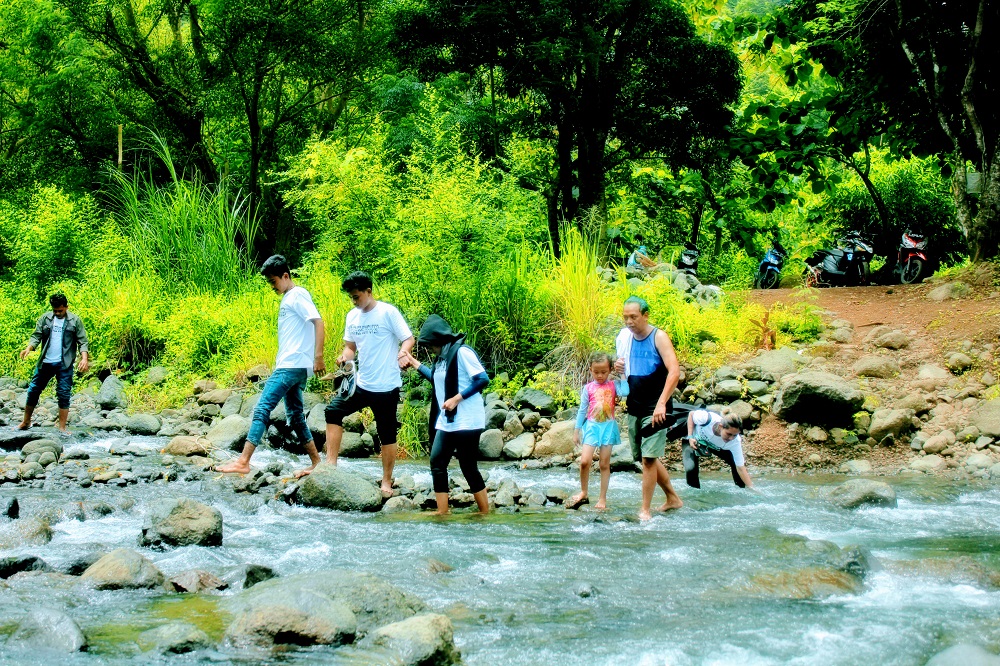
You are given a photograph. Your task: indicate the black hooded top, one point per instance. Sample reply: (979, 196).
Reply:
(437, 333)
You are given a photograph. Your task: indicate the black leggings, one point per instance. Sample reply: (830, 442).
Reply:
(464, 444)
(691, 464)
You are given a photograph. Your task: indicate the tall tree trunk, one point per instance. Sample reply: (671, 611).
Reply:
(697, 212)
(983, 234)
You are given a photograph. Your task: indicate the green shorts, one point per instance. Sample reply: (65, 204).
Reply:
(653, 446)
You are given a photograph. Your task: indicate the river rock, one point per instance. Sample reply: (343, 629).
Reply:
(979, 461)
(418, 641)
(512, 427)
(887, 422)
(538, 401)
(776, 363)
(40, 446)
(229, 433)
(986, 417)
(949, 290)
(807, 583)
(964, 655)
(892, 340)
(174, 638)
(876, 366)
(182, 522)
(558, 440)
(842, 335)
(496, 418)
(143, 424)
(931, 371)
(204, 385)
(155, 376)
(530, 419)
(817, 397)
(10, 507)
(862, 492)
(491, 444)
(856, 467)
(246, 576)
(112, 394)
(195, 580)
(123, 569)
(938, 443)
(316, 420)
(930, 463)
(742, 409)
(728, 389)
(398, 504)
(520, 447)
(958, 362)
(17, 563)
(215, 397)
(48, 629)
(304, 600)
(334, 488)
(353, 445)
(185, 445)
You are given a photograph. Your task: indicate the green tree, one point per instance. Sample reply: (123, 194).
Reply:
(609, 81)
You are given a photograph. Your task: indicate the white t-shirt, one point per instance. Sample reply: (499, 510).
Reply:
(471, 412)
(377, 334)
(54, 352)
(704, 431)
(296, 333)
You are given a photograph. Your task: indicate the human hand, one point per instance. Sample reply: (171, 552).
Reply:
(576, 437)
(451, 404)
(403, 359)
(83, 365)
(319, 365)
(660, 413)
(620, 365)
(693, 442)
(24, 353)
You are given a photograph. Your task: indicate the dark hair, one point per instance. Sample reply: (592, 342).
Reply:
(602, 357)
(641, 302)
(275, 266)
(58, 300)
(731, 419)
(357, 281)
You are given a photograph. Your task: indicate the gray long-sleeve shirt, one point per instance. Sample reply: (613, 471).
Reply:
(74, 334)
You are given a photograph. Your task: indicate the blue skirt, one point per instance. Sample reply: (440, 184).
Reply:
(603, 433)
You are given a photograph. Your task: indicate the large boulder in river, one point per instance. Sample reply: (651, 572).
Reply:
(48, 629)
(862, 492)
(964, 655)
(421, 640)
(301, 603)
(143, 424)
(491, 444)
(182, 522)
(887, 422)
(112, 394)
(534, 399)
(123, 569)
(332, 487)
(819, 398)
(187, 445)
(229, 433)
(41, 446)
(986, 417)
(521, 446)
(557, 441)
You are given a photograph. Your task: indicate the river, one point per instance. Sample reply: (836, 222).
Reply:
(556, 587)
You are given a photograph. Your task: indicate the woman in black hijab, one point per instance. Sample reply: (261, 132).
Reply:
(458, 413)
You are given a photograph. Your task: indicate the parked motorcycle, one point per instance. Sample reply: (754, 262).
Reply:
(912, 262)
(688, 261)
(769, 271)
(843, 266)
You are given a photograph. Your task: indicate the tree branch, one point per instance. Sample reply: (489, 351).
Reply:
(967, 86)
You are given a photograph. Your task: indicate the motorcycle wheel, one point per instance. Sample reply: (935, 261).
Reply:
(912, 271)
(769, 280)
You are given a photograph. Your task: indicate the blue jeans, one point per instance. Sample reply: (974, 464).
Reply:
(43, 375)
(286, 383)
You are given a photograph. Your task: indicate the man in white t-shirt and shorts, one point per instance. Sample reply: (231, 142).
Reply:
(300, 353)
(377, 334)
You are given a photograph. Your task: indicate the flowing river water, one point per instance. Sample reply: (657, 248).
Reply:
(556, 587)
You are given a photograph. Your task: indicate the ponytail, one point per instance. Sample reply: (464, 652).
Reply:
(731, 419)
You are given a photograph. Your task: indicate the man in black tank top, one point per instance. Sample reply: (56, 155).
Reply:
(647, 358)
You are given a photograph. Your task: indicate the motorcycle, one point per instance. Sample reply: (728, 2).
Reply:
(912, 259)
(688, 261)
(769, 271)
(844, 266)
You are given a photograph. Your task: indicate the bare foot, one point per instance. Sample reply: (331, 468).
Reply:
(644, 515)
(234, 467)
(670, 505)
(601, 505)
(576, 501)
(23, 426)
(386, 489)
(303, 472)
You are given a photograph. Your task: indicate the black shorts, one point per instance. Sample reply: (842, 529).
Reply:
(383, 405)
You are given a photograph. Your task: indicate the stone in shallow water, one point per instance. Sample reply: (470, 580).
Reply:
(174, 638)
(807, 583)
(419, 640)
(862, 492)
(335, 488)
(123, 569)
(182, 522)
(964, 655)
(48, 629)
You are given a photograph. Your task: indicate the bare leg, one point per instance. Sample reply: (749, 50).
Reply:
(586, 462)
(482, 501)
(334, 435)
(388, 462)
(63, 418)
(602, 501)
(442, 502)
(26, 421)
(663, 479)
(648, 486)
(241, 465)
(314, 459)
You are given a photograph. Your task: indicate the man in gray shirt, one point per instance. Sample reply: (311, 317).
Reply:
(59, 333)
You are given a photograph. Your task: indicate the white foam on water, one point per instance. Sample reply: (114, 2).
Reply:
(299, 553)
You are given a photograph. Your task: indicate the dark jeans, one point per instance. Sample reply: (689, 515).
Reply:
(43, 374)
(691, 463)
(463, 444)
(287, 383)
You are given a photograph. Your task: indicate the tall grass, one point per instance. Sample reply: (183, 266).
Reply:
(191, 234)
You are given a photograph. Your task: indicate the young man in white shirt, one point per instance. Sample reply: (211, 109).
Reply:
(375, 333)
(300, 353)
